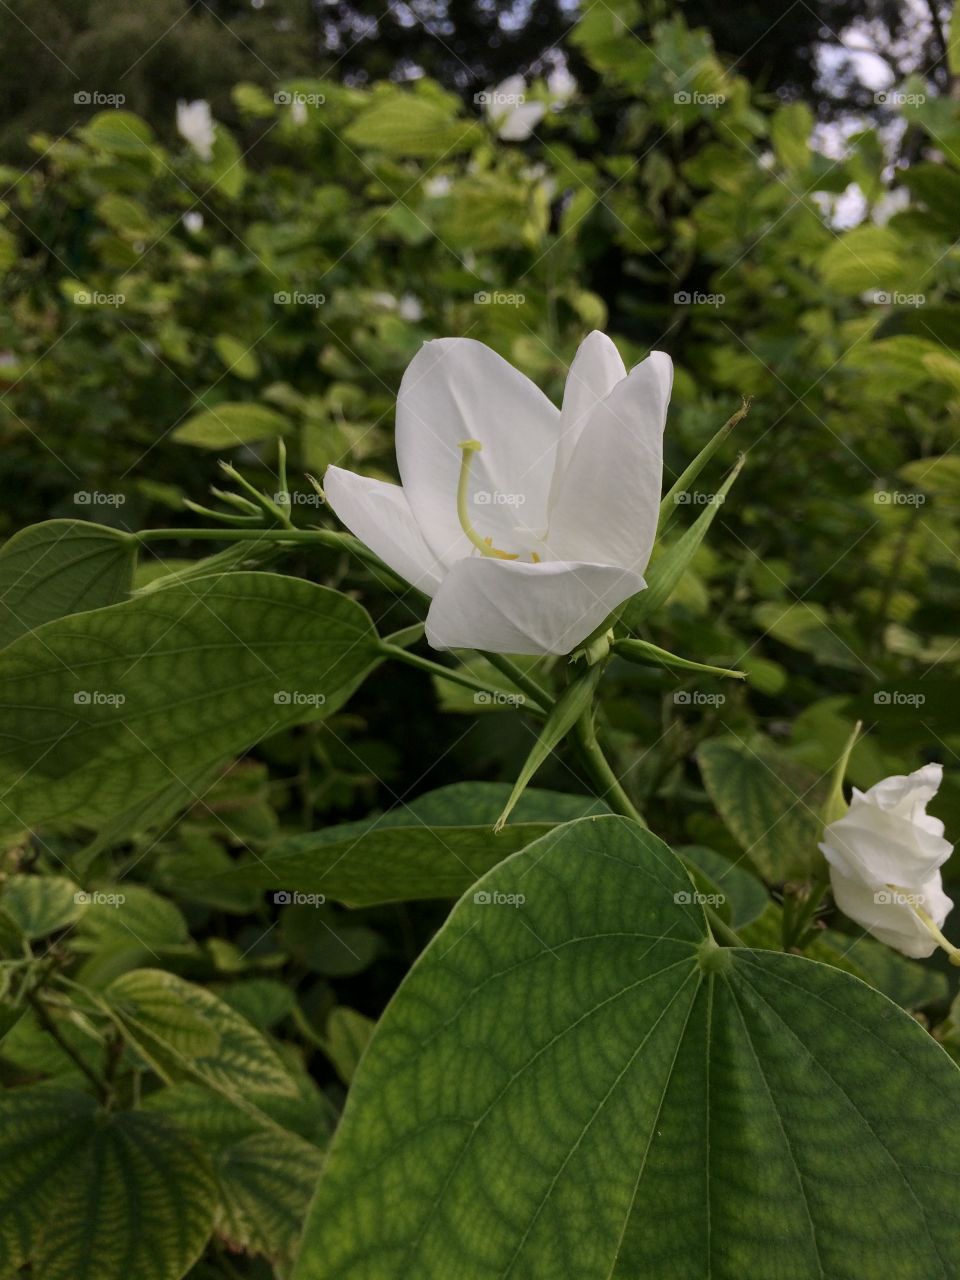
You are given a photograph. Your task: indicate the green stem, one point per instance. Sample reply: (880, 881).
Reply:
(720, 929)
(526, 684)
(798, 933)
(316, 537)
(445, 673)
(602, 775)
(49, 1025)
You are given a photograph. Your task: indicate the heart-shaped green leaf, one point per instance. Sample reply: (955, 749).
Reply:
(575, 1081)
(87, 1194)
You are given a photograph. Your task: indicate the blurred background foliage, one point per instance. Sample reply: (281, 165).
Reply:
(725, 185)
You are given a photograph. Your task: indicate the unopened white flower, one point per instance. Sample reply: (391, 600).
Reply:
(196, 125)
(509, 112)
(193, 221)
(885, 856)
(526, 524)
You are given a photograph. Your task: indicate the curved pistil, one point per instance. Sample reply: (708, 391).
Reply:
(484, 545)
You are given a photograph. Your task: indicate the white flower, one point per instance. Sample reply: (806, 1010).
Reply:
(410, 308)
(298, 112)
(195, 124)
(509, 112)
(527, 524)
(193, 221)
(562, 85)
(885, 856)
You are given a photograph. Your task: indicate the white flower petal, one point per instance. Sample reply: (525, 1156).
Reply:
(908, 795)
(885, 837)
(888, 915)
(507, 606)
(596, 370)
(457, 389)
(517, 123)
(380, 516)
(608, 498)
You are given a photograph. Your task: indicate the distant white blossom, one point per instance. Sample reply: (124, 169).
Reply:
(196, 125)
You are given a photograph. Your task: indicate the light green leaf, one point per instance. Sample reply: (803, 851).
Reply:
(579, 1084)
(92, 1195)
(408, 124)
(771, 804)
(188, 1032)
(873, 258)
(120, 132)
(125, 215)
(39, 905)
(807, 627)
(239, 358)
(232, 423)
(266, 1181)
(790, 132)
(347, 1035)
(61, 567)
(203, 670)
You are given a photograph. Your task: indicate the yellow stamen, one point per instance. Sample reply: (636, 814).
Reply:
(534, 557)
(484, 545)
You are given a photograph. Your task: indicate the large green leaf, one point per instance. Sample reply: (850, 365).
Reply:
(103, 709)
(435, 847)
(61, 567)
(87, 1194)
(583, 1085)
(770, 803)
